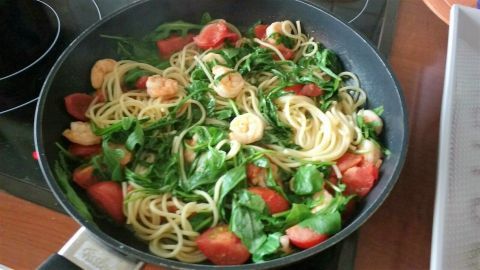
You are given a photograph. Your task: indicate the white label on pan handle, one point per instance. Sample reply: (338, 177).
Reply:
(90, 254)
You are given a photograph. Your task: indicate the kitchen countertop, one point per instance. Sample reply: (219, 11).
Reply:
(396, 237)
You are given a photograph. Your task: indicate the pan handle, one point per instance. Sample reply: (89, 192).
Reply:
(83, 252)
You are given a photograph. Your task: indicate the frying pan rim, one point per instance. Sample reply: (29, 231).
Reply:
(148, 257)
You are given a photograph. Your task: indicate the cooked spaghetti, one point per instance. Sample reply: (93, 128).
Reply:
(263, 133)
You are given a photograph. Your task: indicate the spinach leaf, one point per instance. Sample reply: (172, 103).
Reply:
(296, 214)
(307, 180)
(269, 247)
(201, 221)
(328, 224)
(208, 168)
(245, 222)
(230, 180)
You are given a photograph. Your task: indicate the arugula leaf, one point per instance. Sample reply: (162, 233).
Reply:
(62, 179)
(307, 180)
(163, 31)
(269, 247)
(135, 138)
(329, 224)
(206, 136)
(206, 18)
(124, 124)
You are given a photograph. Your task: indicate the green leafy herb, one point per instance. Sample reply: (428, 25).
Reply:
(245, 220)
(201, 221)
(328, 224)
(230, 180)
(62, 179)
(307, 180)
(269, 247)
(135, 138)
(208, 168)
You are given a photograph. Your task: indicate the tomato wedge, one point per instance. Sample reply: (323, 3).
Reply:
(276, 203)
(286, 52)
(213, 35)
(309, 90)
(294, 88)
(108, 197)
(348, 160)
(360, 179)
(83, 176)
(260, 31)
(77, 105)
(141, 82)
(167, 47)
(84, 151)
(302, 237)
(222, 247)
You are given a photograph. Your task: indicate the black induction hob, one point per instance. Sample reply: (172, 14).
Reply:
(35, 32)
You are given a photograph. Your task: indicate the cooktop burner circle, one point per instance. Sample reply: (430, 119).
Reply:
(34, 33)
(31, 31)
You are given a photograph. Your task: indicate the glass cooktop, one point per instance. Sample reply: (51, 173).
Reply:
(35, 32)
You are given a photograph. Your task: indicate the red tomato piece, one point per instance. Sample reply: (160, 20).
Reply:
(141, 82)
(260, 31)
(286, 52)
(84, 177)
(77, 105)
(294, 88)
(276, 203)
(311, 90)
(222, 247)
(360, 179)
(304, 237)
(108, 197)
(213, 35)
(348, 160)
(256, 175)
(99, 95)
(167, 47)
(84, 151)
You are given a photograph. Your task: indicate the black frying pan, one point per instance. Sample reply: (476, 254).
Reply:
(71, 74)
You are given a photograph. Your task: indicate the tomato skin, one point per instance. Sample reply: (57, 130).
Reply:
(84, 151)
(84, 177)
(77, 105)
(311, 90)
(348, 160)
(286, 52)
(167, 47)
(99, 95)
(360, 179)
(213, 35)
(304, 237)
(222, 247)
(260, 31)
(276, 203)
(108, 197)
(256, 175)
(141, 82)
(294, 88)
